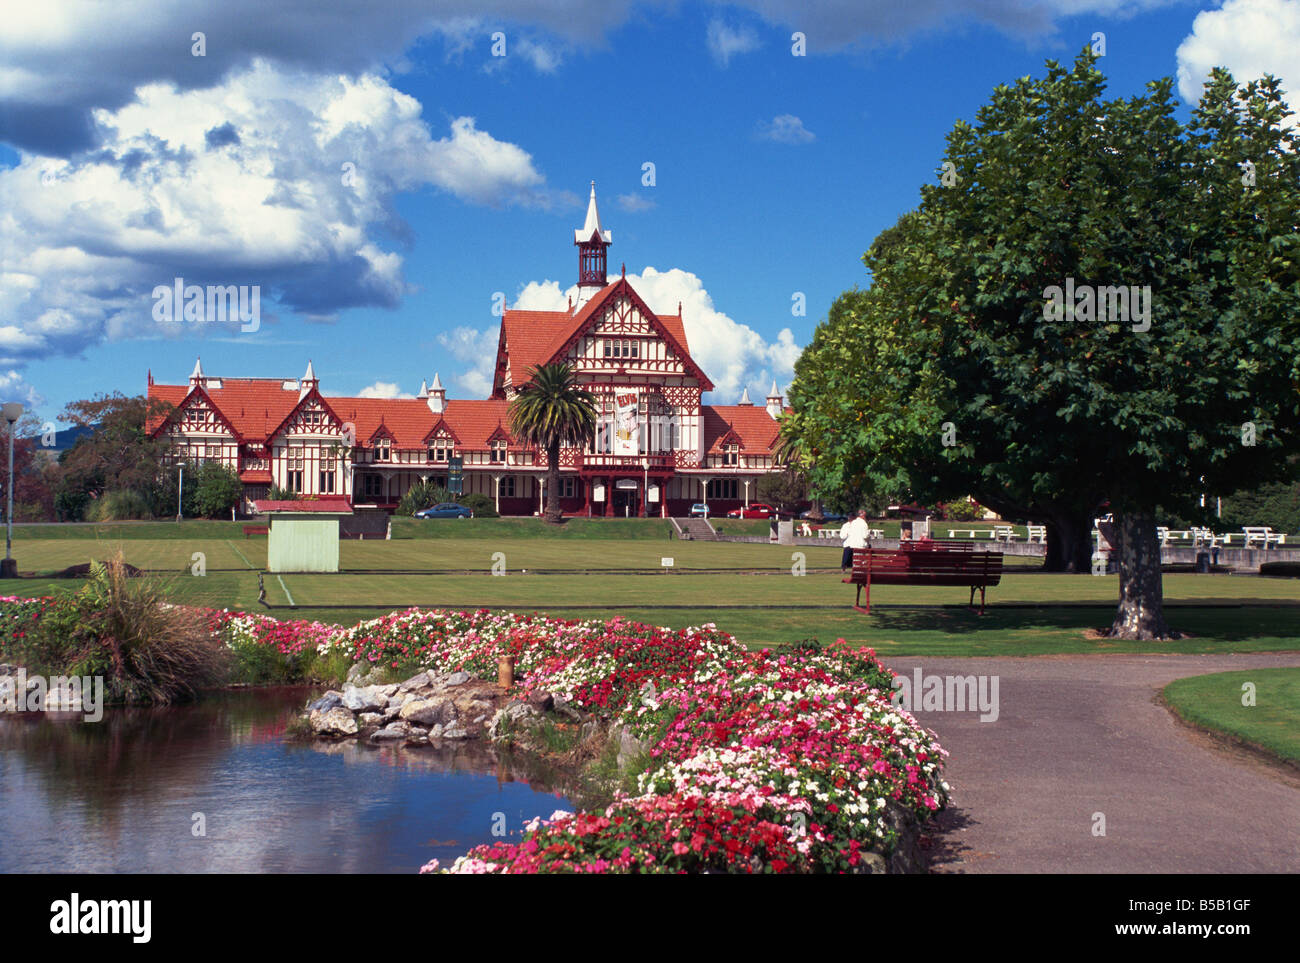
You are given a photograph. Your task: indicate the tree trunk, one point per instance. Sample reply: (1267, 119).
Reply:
(1141, 612)
(553, 513)
(1069, 543)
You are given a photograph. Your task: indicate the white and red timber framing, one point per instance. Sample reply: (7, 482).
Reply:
(657, 451)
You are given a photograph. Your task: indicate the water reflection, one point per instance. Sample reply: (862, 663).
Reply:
(121, 795)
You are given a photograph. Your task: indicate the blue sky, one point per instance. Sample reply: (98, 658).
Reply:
(128, 161)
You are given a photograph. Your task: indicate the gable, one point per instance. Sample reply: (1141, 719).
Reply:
(529, 338)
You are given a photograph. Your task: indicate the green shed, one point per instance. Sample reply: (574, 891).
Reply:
(303, 535)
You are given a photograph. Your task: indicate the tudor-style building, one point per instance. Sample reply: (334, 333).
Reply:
(657, 449)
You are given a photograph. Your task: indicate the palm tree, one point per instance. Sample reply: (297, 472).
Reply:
(551, 410)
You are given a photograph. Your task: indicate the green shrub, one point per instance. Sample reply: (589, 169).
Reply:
(481, 505)
(118, 506)
(420, 496)
(217, 489)
(278, 494)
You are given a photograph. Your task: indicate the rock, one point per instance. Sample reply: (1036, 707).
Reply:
(629, 748)
(435, 732)
(541, 701)
(357, 670)
(330, 700)
(368, 719)
(457, 678)
(391, 712)
(565, 709)
(333, 722)
(398, 726)
(456, 732)
(420, 681)
(429, 711)
(871, 864)
(513, 719)
(387, 735)
(418, 731)
(368, 699)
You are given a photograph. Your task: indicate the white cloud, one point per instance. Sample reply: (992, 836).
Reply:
(14, 388)
(1248, 37)
(732, 354)
(726, 41)
(633, 203)
(476, 349)
(786, 129)
(383, 389)
(272, 178)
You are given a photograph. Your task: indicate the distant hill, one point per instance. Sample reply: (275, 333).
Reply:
(65, 439)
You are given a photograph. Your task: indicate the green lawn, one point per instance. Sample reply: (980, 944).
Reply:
(747, 589)
(1215, 702)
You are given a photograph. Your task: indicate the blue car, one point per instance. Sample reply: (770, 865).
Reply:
(699, 510)
(445, 510)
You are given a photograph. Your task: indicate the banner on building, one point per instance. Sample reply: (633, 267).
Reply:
(626, 436)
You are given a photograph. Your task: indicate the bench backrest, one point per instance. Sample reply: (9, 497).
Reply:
(927, 563)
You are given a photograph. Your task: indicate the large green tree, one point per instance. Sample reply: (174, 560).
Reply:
(551, 410)
(994, 348)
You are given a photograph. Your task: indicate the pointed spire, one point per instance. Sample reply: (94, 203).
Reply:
(308, 382)
(151, 376)
(592, 224)
(196, 376)
(744, 398)
(436, 398)
(775, 402)
(424, 390)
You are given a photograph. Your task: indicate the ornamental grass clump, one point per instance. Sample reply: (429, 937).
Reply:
(120, 628)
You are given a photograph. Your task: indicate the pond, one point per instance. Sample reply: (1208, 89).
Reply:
(124, 795)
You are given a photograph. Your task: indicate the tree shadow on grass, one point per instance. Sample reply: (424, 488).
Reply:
(1227, 624)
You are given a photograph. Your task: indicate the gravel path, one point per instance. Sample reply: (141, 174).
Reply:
(1078, 735)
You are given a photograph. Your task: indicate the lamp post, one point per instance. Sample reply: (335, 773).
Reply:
(9, 567)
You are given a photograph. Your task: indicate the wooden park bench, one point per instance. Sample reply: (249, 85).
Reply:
(1003, 533)
(1037, 533)
(256, 530)
(942, 564)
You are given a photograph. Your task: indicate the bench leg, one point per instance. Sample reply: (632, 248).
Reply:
(981, 600)
(857, 604)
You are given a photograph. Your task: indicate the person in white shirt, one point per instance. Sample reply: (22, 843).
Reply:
(853, 535)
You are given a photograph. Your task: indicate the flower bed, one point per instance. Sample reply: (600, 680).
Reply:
(758, 761)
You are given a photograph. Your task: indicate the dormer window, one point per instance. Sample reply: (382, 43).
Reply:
(383, 450)
(440, 451)
(731, 456)
(498, 452)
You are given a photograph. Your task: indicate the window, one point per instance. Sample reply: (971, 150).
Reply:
(383, 449)
(604, 435)
(498, 452)
(372, 486)
(293, 476)
(724, 488)
(622, 349)
(327, 481)
(507, 489)
(568, 487)
(440, 450)
(731, 456)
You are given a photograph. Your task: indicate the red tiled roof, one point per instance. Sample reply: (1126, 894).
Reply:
(755, 427)
(255, 407)
(334, 505)
(255, 476)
